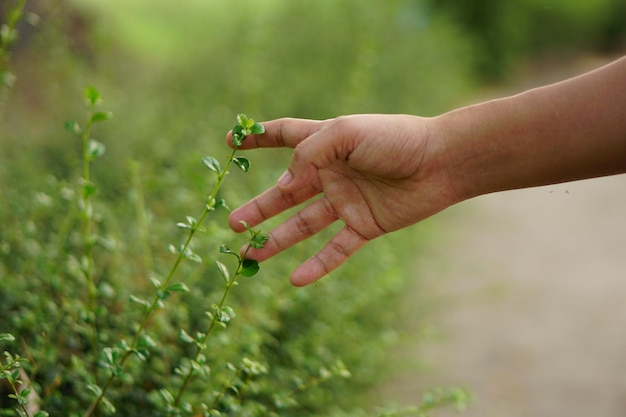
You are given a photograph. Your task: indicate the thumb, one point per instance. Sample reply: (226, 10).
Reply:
(316, 152)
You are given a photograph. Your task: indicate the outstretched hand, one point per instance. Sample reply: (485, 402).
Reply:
(375, 173)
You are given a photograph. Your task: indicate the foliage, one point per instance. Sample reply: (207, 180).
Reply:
(505, 32)
(84, 260)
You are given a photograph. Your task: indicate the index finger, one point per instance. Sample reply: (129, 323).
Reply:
(285, 132)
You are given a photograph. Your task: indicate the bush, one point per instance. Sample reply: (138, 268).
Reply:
(79, 245)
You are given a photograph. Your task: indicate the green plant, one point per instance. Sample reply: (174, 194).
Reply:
(284, 352)
(114, 358)
(8, 36)
(12, 372)
(434, 400)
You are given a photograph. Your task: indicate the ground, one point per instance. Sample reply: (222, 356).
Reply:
(528, 290)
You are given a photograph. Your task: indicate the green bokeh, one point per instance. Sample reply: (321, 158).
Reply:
(175, 74)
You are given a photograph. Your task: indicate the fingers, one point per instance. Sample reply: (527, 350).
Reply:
(286, 132)
(341, 247)
(268, 205)
(307, 222)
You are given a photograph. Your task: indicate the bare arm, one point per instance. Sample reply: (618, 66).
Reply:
(380, 173)
(571, 130)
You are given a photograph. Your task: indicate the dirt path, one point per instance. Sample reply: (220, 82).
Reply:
(530, 290)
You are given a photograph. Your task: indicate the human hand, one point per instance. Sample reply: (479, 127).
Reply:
(376, 173)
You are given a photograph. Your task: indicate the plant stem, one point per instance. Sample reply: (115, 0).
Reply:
(210, 206)
(223, 392)
(202, 342)
(89, 241)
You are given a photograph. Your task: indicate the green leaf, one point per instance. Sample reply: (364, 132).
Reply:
(249, 267)
(194, 257)
(101, 116)
(257, 129)
(212, 163)
(89, 188)
(225, 249)
(96, 149)
(146, 341)
(178, 287)
(259, 240)
(73, 126)
(242, 163)
(222, 203)
(7, 78)
(155, 282)
(223, 270)
(14, 15)
(162, 294)
(95, 389)
(184, 337)
(167, 396)
(242, 119)
(7, 337)
(109, 408)
(92, 95)
(138, 300)
(238, 135)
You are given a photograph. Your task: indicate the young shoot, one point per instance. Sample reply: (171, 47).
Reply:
(115, 358)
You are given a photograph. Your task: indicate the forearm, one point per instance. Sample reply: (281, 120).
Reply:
(566, 131)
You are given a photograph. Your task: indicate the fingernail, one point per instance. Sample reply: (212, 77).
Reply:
(285, 179)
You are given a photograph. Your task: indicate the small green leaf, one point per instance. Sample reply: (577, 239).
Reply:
(259, 240)
(223, 270)
(210, 205)
(92, 95)
(238, 135)
(95, 389)
(162, 294)
(257, 129)
(222, 203)
(89, 188)
(242, 163)
(14, 15)
(101, 116)
(146, 341)
(155, 282)
(109, 408)
(167, 396)
(249, 267)
(96, 149)
(138, 300)
(73, 126)
(225, 249)
(7, 337)
(242, 119)
(194, 257)
(178, 287)
(184, 337)
(212, 163)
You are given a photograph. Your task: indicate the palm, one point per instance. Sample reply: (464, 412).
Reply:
(371, 174)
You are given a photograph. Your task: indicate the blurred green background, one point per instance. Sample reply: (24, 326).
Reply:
(175, 74)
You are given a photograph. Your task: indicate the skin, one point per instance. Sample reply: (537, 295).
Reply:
(380, 173)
